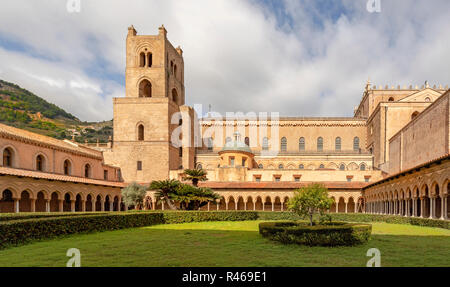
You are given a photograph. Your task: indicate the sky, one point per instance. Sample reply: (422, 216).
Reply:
(294, 57)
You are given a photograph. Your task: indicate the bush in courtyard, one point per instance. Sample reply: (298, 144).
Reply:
(310, 200)
(330, 234)
(133, 195)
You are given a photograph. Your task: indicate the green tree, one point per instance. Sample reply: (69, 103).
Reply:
(195, 175)
(193, 198)
(133, 195)
(165, 189)
(310, 200)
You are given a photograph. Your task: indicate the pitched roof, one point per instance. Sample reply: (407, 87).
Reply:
(279, 185)
(37, 139)
(57, 177)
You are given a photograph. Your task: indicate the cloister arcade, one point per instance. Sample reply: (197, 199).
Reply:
(29, 195)
(344, 202)
(421, 194)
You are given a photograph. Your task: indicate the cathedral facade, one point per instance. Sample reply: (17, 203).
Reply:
(390, 157)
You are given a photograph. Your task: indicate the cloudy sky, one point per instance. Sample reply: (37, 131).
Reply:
(295, 57)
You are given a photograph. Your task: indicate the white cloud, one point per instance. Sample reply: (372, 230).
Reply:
(237, 56)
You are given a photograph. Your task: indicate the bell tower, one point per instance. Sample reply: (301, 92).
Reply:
(146, 117)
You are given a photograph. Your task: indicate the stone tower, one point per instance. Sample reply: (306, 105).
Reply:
(146, 117)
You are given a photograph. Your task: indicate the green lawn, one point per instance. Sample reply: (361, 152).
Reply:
(231, 244)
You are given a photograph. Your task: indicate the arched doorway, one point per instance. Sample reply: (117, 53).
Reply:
(231, 203)
(333, 205)
(89, 203)
(78, 203)
(54, 202)
(268, 204)
(67, 203)
(7, 201)
(249, 203)
(107, 203)
(341, 205)
(116, 206)
(259, 203)
(277, 204)
(98, 203)
(25, 202)
(240, 204)
(40, 202)
(351, 205)
(145, 89)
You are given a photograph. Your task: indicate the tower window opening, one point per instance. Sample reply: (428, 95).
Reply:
(145, 89)
(142, 60)
(141, 133)
(150, 60)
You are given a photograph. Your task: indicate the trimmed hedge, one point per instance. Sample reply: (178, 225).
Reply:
(333, 234)
(28, 215)
(21, 231)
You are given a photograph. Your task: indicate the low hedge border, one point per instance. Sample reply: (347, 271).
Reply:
(29, 215)
(21, 229)
(299, 232)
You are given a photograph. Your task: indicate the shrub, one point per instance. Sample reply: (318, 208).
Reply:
(331, 234)
(20, 231)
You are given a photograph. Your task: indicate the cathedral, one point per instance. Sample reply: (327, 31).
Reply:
(391, 157)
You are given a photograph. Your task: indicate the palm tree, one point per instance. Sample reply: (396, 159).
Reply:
(195, 175)
(165, 190)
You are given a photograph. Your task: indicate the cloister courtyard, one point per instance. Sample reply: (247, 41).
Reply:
(229, 244)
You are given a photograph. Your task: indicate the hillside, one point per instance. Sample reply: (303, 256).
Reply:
(23, 109)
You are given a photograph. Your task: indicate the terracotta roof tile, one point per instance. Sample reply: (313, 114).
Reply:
(8, 131)
(57, 177)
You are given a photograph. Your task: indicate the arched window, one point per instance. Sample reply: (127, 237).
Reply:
(301, 166)
(320, 144)
(7, 157)
(301, 144)
(171, 67)
(174, 95)
(265, 143)
(175, 70)
(342, 167)
(67, 167)
(283, 144)
(356, 144)
(414, 115)
(260, 166)
(247, 141)
(145, 89)
(337, 144)
(321, 166)
(199, 166)
(142, 60)
(391, 99)
(140, 132)
(149, 60)
(40, 163)
(362, 167)
(87, 171)
(280, 166)
(427, 99)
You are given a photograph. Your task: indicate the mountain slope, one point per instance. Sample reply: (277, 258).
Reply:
(23, 109)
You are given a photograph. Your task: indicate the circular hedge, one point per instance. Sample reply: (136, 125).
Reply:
(329, 234)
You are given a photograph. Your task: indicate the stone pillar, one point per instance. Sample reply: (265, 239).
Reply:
(421, 207)
(346, 207)
(254, 205)
(72, 206)
(83, 205)
(235, 205)
(208, 205)
(443, 205)
(33, 204)
(282, 206)
(154, 205)
(337, 207)
(102, 207)
(356, 208)
(163, 205)
(217, 206)
(432, 207)
(47, 205)
(273, 206)
(60, 205)
(226, 205)
(445, 211)
(263, 204)
(16, 205)
(111, 206)
(414, 207)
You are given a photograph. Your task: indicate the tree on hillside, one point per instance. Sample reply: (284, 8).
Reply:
(195, 175)
(133, 195)
(165, 189)
(310, 200)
